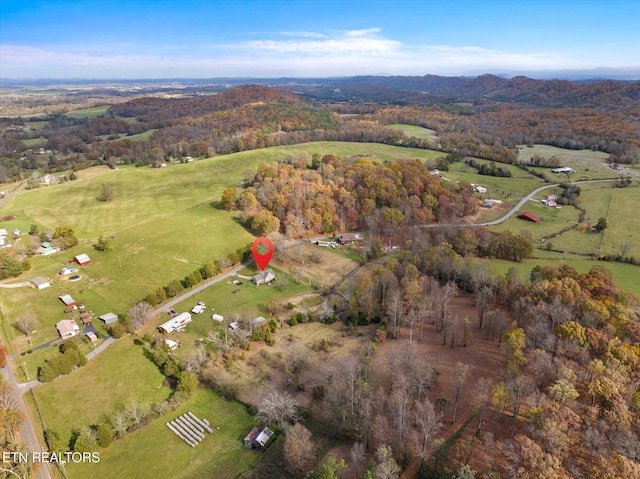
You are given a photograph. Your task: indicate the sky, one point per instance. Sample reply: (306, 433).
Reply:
(136, 39)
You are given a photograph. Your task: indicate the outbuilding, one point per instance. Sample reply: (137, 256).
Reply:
(529, 217)
(217, 317)
(108, 318)
(177, 323)
(258, 436)
(67, 300)
(40, 283)
(82, 259)
(67, 270)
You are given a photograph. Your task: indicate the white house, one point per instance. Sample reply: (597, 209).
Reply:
(67, 328)
(177, 323)
(564, 169)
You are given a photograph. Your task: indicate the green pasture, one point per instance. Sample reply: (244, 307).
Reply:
(37, 124)
(154, 451)
(623, 222)
(624, 275)
(587, 163)
(35, 142)
(140, 136)
(509, 190)
(115, 377)
(416, 131)
(88, 112)
(162, 224)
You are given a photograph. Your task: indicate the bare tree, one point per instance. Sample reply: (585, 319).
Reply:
(387, 467)
(483, 295)
(279, 408)
(138, 313)
(456, 387)
(625, 247)
(27, 323)
(192, 361)
(295, 361)
(119, 422)
(357, 457)
(428, 425)
(136, 413)
(7, 397)
(483, 395)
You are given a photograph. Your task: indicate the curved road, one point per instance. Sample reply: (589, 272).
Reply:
(520, 204)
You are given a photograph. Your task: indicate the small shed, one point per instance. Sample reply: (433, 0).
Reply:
(199, 308)
(256, 322)
(108, 318)
(217, 317)
(258, 436)
(46, 248)
(529, 217)
(67, 270)
(92, 336)
(67, 328)
(234, 326)
(82, 259)
(67, 300)
(40, 283)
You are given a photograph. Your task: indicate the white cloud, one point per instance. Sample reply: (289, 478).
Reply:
(303, 54)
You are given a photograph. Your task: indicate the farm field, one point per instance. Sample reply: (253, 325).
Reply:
(588, 164)
(89, 394)
(154, 451)
(88, 112)
(416, 131)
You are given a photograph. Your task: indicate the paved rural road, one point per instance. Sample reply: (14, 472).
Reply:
(517, 207)
(27, 432)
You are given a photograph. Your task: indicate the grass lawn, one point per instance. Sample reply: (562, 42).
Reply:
(35, 142)
(141, 136)
(417, 131)
(155, 452)
(37, 124)
(623, 222)
(118, 375)
(88, 112)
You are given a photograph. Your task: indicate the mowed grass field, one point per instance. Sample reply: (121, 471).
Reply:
(112, 380)
(588, 164)
(155, 452)
(88, 112)
(416, 131)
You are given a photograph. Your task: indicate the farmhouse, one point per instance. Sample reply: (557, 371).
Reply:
(264, 277)
(529, 217)
(478, 188)
(551, 203)
(564, 169)
(108, 318)
(348, 238)
(82, 259)
(177, 323)
(40, 283)
(258, 436)
(67, 328)
(67, 270)
(67, 300)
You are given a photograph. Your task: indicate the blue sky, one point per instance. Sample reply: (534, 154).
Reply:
(309, 38)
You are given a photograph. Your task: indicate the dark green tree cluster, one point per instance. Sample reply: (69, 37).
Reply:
(64, 237)
(489, 169)
(68, 358)
(9, 266)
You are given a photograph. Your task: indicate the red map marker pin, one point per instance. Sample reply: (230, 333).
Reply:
(258, 249)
